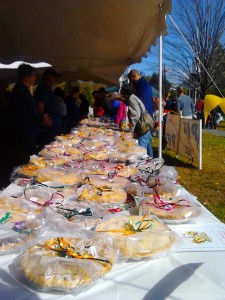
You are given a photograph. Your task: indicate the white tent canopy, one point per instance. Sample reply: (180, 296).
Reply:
(93, 38)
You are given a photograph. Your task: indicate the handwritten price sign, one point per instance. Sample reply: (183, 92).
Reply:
(172, 132)
(190, 140)
(184, 137)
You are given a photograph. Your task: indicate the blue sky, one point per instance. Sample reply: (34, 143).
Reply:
(150, 64)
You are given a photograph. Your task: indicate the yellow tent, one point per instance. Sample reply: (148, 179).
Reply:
(222, 105)
(211, 102)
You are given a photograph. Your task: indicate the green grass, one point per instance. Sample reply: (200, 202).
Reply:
(221, 125)
(207, 184)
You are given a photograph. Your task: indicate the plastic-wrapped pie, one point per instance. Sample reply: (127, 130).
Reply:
(28, 170)
(106, 180)
(97, 155)
(178, 208)
(37, 161)
(51, 152)
(102, 194)
(17, 229)
(64, 264)
(138, 237)
(57, 175)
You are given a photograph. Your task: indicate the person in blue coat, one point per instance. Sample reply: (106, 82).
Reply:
(143, 90)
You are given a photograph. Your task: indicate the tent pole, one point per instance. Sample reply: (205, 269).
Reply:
(160, 97)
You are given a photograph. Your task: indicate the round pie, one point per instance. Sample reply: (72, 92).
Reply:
(59, 176)
(103, 194)
(138, 236)
(170, 210)
(67, 262)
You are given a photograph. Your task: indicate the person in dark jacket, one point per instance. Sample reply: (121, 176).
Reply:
(73, 114)
(84, 107)
(47, 104)
(58, 94)
(26, 118)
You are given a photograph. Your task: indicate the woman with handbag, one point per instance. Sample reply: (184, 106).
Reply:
(140, 119)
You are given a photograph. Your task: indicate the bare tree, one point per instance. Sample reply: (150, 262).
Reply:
(202, 23)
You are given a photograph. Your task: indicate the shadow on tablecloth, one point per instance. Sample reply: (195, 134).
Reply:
(164, 288)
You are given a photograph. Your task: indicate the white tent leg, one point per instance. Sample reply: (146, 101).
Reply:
(160, 98)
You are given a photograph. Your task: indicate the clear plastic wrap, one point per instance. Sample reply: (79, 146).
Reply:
(101, 194)
(37, 161)
(66, 264)
(107, 168)
(136, 189)
(24, 171)
(174, 210)
(138, 237)
(149, 165)
(97, 155)
(110, 180)
(19, 226)
(58, 176)
(68, 139)
(168, 189)
(168, 173)
(51, 152)
(43, 195)
(84, 215)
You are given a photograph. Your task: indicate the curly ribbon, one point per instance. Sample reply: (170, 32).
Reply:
(7, 217)
(165, 205)
(64, 249)
(133, 228)
(21, 227)
(48, 202)
(145, 182)
(101, 188)
(23, 182)
(69, 213)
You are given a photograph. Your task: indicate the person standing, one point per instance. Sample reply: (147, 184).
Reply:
(47, 104)
(84, 107)
(58, 94)
(135, 110)
(26, 118)
(185, 105)
(143, 90)
(98, 106)
(73, 114)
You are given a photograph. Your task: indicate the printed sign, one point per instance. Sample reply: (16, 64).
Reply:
(172, 132)
(201, 237)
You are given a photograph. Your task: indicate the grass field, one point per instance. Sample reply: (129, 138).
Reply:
(207, 184)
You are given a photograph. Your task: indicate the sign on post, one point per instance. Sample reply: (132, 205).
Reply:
(172, 132)
(190, 140)
(184, 137)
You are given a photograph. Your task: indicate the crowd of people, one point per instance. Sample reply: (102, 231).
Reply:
(37, 118)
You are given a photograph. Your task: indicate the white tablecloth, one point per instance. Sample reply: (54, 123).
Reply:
(184, 275)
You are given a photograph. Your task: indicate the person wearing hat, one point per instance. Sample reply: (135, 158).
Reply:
(47, 104)
(185, 105)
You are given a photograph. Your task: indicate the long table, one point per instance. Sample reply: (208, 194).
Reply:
(181, 275)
